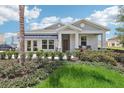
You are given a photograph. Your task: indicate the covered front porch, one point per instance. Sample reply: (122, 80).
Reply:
(71, 41)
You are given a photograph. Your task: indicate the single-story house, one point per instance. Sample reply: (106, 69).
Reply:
(66, 37)
(113, 42)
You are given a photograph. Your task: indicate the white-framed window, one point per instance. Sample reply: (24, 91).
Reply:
(44, 44)
(47, 44)
(51, 44)
(35, 45)
(29, 45)
(83, 40)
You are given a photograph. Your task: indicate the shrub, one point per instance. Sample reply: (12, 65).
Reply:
(119, 57)
(68, 53)
(98, 56)
(39, 55)
(46, 54)
(9, 53)
(2, 55)
(77, 53)
(60, 54)
(86, 57)
(12, 69)
(15, 54)
(15, 75)
(30, 54)
(52, 54)
(23, 82)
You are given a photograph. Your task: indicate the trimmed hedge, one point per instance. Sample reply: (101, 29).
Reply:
(98, 56)
(119, 57)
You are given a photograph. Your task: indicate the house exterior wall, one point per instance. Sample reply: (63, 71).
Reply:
(39, 44)
(91, 40)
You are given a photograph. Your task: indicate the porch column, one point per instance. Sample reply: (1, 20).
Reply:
(60, 42)
(103, 40)
(76, 40)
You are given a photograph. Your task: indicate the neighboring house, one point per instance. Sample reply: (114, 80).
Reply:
(65, 37)
(114, 42)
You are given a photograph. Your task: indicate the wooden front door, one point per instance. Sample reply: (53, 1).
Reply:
(65, 42)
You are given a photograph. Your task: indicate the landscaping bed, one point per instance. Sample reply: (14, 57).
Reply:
(12, 74)
(40, 66)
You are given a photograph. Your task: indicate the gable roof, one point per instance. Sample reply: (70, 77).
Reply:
(54, 26)
(69, 26)
(92, 23)
(113, 38)
(60, 25)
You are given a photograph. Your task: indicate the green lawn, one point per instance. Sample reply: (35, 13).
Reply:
(117, 48)
(81, 75)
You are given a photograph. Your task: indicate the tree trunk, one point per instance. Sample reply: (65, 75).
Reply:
(22, 38)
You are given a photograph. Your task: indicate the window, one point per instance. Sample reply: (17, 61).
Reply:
(113, 44)
(44, 44)
(51, 44)
(29, 45)
(83, 41)
(35, 45)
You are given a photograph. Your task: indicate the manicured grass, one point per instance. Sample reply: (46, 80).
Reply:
(73, 75)
(116, 48)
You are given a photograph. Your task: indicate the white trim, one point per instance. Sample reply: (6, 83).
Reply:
(93, 23)
(54, 24)
(69, 25)
(48, 44)
(76, 40)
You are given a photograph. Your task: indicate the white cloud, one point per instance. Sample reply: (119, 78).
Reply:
(50, 20)
(7, 35)
(11, 13)
(8, 13)
(32, 14)
(68, 20)
(47, 21)
(105, 17)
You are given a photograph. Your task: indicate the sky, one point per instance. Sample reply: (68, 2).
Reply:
(37, 17)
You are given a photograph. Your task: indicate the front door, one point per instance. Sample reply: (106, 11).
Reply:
(65, 42)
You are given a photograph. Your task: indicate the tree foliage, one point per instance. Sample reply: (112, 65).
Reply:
(120, 21)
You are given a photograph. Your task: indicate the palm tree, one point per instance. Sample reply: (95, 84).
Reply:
(22, 46)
